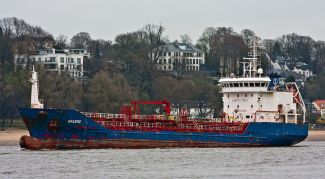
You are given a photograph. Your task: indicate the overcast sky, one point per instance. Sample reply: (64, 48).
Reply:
(107, 18)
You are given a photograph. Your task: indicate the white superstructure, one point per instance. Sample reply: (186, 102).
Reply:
(255, 98)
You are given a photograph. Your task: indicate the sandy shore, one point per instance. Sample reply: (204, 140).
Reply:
(316, 135)
(11, 136)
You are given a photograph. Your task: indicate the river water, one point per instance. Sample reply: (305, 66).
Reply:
(305, 160)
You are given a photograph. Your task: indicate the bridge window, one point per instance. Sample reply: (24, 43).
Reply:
(251, 84)
(246, 84)
(238, 95)
(241, 84)
(257, 84)
(236, 84)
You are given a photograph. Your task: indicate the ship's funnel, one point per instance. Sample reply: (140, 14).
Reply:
(34, 101)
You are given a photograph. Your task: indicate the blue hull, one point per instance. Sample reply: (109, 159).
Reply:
(75, 130)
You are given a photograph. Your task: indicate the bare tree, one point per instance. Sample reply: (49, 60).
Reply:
(81, 40)
(180, 65)
(61, 41)
(185, 38)
(154, 40)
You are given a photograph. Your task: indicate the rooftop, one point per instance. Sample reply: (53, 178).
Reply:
(181, 47)
(319, 104)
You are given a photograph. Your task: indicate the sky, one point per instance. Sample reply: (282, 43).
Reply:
(105, 19)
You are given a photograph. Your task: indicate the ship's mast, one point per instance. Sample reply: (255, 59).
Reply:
(250, 67)
(34, 101)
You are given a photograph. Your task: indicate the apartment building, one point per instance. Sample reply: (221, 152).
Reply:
(182, 55)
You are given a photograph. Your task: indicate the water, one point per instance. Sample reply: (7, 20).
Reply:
(306, 160)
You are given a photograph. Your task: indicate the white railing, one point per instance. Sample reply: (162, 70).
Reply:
(103, 115)
(162, 125)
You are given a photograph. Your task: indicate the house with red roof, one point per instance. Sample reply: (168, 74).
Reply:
(320, 106)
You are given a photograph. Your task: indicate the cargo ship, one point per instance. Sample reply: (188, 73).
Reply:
(257, 111)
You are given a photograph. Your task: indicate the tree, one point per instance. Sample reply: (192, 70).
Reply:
(107, 93)
(248, 35)
(154, 41)
(80, 40)
(268, 45)
(319, 62)
(290, 79)
(185, 38)
(61, 42)
(60, 91)
(179, 66)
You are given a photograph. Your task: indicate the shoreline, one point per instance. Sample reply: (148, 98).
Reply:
(11, 136)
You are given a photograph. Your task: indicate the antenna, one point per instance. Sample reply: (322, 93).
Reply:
(250, 67)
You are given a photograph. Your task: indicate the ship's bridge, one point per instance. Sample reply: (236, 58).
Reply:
(254, 84)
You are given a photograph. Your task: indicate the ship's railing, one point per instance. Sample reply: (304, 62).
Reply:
(205, 119)
(103, 115)
(193, 126)
(148, 117)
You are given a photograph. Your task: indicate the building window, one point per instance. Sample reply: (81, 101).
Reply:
(164, 67)
(164, 61)
(169, 61)
(170, 67)
(62, 59)
(169, 54)
(79, 60)
(71, 60)
(52, 59)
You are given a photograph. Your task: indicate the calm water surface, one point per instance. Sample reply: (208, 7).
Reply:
(305, 160)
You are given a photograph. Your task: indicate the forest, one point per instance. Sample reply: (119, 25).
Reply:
(124, 69)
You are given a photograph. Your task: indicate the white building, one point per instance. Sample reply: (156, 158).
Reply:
(67, 60)
(303, 71)
(184, 55)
